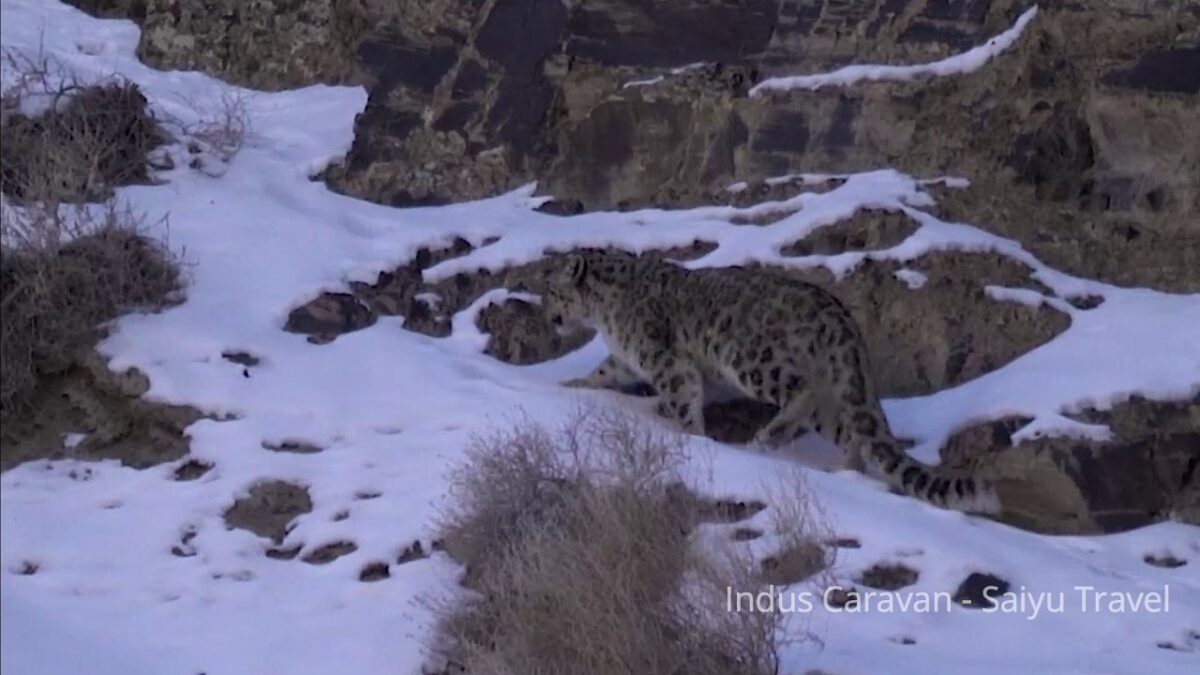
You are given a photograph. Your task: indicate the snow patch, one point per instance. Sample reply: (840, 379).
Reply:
(465, 324)
(1027, 296)
(911, 278)
(642, 83)
(73, 440)
(959, 64)
(1058, 425)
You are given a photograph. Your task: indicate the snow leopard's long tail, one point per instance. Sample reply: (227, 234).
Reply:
(866, 434)
(945, 488)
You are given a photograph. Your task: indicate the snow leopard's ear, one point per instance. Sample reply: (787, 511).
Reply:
(577, 266)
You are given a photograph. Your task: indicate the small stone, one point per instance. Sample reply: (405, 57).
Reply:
(376, 571)
(971, 592)
(330, 552)
(888, 577)
(414, 551)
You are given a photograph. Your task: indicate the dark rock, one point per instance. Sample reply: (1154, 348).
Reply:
(269, 508)
(793, 565)
(273, 44)
(867, 230)
(888, 576)
(289, 553)
(917, 346)
(241, 358)
(841, 598)
(107, 407)
(785, 131)
(979, 590)
(1146, 473)
(1162, 70)
(471, 78)
(391, 62)
(840, 134)
(1167, 561)
(1056, 156)
(413, 551)
(1085, 301)
(556, 207)
(518, 36)
(635, 33)
(661, 34)
(293, 445)
(521, 335)
(192, 470)
(330, 315)
(376, 571)
(926, 31)
(184, 548)
(330, 552)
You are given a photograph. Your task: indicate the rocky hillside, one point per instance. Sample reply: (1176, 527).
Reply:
(1080, 141)
(266, 465)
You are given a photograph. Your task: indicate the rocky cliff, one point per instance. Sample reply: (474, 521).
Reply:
(1081, 141)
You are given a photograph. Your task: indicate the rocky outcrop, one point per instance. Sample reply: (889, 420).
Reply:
(1079, 140)
(268, 508)
(918, 347)
(265, 44)
(1148, 471)
(89, 412)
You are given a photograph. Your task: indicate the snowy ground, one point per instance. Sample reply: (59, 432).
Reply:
(393, 409)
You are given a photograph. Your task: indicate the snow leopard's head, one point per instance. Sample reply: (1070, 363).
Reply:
(577, 289)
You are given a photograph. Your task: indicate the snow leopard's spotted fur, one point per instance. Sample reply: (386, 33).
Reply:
(772, 338)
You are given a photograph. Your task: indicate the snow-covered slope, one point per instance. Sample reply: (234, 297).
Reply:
(393, 410)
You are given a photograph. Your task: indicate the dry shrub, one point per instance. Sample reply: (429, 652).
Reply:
(66, 267)
(222, 129)
(580, 559)
(64, 273)
(65, 140)
(801, 535)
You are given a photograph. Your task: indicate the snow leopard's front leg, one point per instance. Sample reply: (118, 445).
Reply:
(680, 388)
(610, 374)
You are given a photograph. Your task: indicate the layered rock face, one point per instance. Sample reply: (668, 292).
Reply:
(1081, 141)
(264, 44)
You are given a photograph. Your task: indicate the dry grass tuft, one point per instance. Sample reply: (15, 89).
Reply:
(67, 267)
(63, 274)
(580, 559)
(224, 127)
(70, 141)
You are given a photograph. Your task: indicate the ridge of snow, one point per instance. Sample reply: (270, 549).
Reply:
(969, 61)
